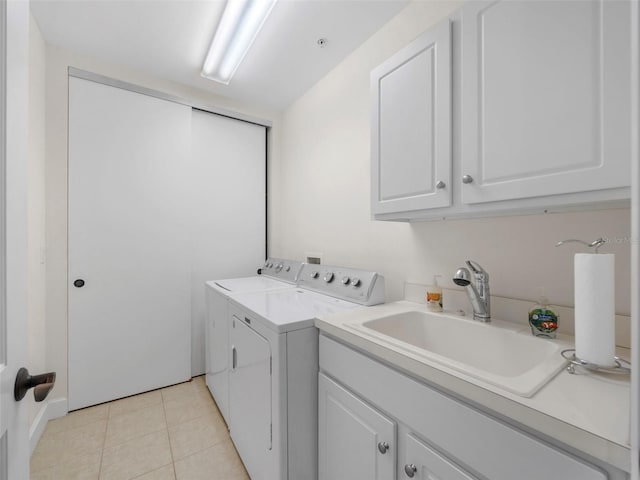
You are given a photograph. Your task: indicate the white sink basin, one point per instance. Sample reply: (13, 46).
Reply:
(491, 352)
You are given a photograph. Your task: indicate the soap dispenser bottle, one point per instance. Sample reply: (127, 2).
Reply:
(543, 320)
(434, 295)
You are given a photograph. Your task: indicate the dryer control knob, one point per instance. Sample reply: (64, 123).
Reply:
(328, 277)
(355, 282)
(287, 268)
(313, 274)
(279, 267)
(345, 280)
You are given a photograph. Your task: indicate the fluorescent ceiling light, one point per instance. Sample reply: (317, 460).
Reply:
(241, 21)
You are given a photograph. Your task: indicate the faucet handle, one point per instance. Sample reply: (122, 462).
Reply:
(476, 268)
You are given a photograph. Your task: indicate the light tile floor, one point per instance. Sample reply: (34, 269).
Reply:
(172, 433)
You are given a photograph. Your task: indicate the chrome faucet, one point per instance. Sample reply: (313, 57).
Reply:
(478, 294)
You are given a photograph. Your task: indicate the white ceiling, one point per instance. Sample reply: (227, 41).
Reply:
(169, 39)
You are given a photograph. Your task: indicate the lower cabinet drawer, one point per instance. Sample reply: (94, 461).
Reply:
(474, 440)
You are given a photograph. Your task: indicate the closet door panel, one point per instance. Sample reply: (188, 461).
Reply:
(129, 324)
(228, 187)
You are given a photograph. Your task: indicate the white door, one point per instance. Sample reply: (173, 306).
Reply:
(411, 126)
(14, 438)
(545, 98)
(355, 441)
(129, 284)
(228, 161)
(250, 398)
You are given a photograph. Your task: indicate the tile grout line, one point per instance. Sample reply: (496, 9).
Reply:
(104, 440)
(164, 410)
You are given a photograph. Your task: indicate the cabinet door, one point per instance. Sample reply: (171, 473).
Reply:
(250, 398)
(356, 442)
(411, 126)
(424, 463)
(545, 98)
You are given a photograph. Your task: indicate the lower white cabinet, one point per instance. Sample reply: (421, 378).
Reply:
(386, 425)
(356, 441)
(359, 442)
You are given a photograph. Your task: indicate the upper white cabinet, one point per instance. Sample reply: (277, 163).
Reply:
(411, 126)
(508, 106)
(545, 108)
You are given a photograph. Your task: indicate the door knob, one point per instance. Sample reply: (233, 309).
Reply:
(440, 185)
(41, 384)
(467, 179)
(78, 283)
(383, 447)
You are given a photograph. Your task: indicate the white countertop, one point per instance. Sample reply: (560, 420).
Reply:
(586, 411)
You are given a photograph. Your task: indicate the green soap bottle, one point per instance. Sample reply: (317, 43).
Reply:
(543, 320)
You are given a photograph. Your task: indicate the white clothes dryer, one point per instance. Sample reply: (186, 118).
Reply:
(276, 274)
(273, 379)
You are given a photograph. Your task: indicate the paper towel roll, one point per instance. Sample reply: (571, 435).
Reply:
(594, 285)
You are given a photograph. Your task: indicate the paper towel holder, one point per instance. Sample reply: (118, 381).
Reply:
(596, 243)
(621, 365)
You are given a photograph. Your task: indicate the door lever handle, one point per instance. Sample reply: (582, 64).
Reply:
(41, 384)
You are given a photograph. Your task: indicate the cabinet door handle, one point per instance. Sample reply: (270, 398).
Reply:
(440, 185)
(383, 447)
(467, 179)
(410, 469)
(234, 357)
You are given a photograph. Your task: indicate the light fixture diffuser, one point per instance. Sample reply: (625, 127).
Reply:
(241, 21)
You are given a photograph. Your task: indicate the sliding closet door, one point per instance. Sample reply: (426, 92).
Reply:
(229, 165)
(129, 265)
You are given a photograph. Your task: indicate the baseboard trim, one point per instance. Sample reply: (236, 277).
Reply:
(53, 408)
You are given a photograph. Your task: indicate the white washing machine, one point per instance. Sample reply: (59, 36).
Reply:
(273, 380)
(276, 274)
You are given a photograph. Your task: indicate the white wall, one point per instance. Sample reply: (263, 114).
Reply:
(57, 63)
(36, 210)
(320, 198)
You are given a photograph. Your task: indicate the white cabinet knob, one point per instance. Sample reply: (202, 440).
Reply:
(410, 469)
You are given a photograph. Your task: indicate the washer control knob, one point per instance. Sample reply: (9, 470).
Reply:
(345, 280)
(355, 282)
(287, 268)
(328, 277)
(313, 274)
(279, 267)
